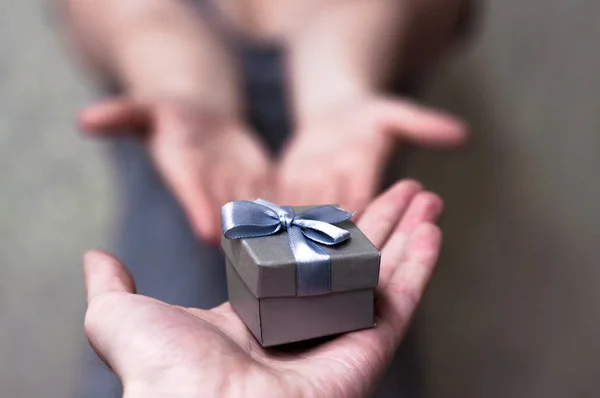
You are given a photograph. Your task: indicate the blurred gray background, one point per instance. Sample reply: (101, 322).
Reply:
(514, 310)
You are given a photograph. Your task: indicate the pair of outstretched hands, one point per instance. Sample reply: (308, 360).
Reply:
(208, 159)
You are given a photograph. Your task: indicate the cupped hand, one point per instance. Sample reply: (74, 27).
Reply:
(207, 159)
(339, 156)
(161, 350)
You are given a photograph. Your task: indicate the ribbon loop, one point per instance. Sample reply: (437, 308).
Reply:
(245, 219)
(328, 214)
(322, 232)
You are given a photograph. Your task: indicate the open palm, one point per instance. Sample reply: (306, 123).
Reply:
(159, 350)
(339, 156)
(207, 159)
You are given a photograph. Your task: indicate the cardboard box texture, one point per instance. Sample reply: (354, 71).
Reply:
(261, 280)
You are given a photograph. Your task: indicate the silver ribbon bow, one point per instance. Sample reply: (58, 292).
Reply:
(245, 219)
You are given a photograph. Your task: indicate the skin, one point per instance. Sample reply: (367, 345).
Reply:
(180, 95)
(340, 156)
(182, 92)
(341, 57)
(161, 350)
(205, 158)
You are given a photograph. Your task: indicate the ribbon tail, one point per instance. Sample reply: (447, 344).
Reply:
(313, 265)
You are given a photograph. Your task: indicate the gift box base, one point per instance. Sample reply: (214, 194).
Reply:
(282, 320)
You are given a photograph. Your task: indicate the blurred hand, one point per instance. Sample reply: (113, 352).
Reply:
(161, 350)
(206, 159)
(339, 157)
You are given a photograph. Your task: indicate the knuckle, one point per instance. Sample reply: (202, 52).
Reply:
(97, 310)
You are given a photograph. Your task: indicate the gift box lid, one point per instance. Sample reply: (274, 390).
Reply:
(268, 267)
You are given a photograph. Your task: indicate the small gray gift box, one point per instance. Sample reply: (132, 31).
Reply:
(297, 273)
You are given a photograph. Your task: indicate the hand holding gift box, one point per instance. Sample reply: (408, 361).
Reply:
(212, 352)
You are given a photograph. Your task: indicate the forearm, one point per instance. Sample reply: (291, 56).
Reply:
(155, 48)
(352, 48)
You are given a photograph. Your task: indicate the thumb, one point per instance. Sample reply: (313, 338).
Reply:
(115, 115)
(412, 122)
(103, 273)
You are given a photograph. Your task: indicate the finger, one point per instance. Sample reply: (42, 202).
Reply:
(247, 189)
(223, 184)
(383, 214)
(184, 168)
(289, 189)
(318, 186)
(267, 187)
(103, 273)
(421, 125)
(425, 207)
(252, 187)
(325, 191)
(303, 194)
(115, 116)
(337, 188)
(300, 186)
(258, 174)
(356, 191)
(264, 184)
(399, 299)
(395, 308)
(106, 313)
(184, 173)
(201, 209)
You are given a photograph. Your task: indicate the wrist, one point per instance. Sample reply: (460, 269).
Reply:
(177, 56)
(319, 100)
(175, 74)
(347, 50)
(314, 111)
